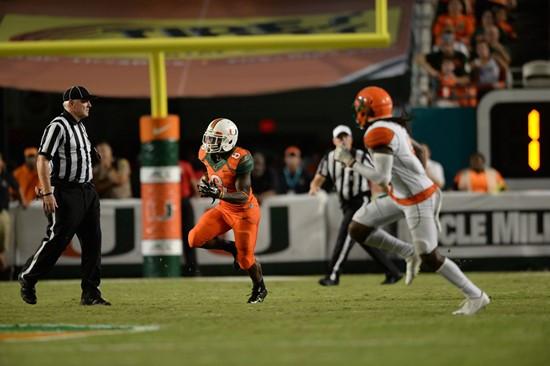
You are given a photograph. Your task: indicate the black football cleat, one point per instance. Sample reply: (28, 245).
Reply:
(94, 301)
(391, 279)
(28, 292)
(258, 295)
(329, 282)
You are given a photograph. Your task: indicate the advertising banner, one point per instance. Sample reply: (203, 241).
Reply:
(233, 72)
(302, 229)
(508, 224)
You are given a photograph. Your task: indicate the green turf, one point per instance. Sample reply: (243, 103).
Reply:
(207, 322)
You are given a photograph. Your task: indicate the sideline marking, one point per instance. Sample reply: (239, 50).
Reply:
(49, 332)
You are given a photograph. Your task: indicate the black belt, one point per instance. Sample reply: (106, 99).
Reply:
(64, 184)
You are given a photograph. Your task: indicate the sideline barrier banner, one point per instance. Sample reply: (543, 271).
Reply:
(120, 227)
(292, 229)
(507, 224)
(302, 229)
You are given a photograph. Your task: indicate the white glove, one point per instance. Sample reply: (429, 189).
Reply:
(342, 155)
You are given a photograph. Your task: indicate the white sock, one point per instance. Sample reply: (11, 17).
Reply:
(382, 240)
(454, 275)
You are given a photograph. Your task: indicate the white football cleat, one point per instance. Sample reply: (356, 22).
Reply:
(413, 267)
(472, 306)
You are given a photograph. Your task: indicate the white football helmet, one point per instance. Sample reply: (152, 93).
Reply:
(220, 136)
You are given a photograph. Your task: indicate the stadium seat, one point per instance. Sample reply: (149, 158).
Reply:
(536, 74)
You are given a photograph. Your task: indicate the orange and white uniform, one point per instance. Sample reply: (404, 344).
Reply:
(242, 218)
(413, 195)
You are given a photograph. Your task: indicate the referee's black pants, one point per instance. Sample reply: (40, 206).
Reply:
(344, 243)
(77, 213)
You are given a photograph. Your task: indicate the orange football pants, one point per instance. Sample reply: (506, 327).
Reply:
(218, 221)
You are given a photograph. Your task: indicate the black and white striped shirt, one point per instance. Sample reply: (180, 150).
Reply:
(348, 183)
(65, 143)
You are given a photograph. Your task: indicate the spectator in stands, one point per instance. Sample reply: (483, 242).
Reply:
(111, 176)
(451, 90)
(188, 184)
(441, 7)
(481, 5)
(501, 53)
(457, 45)
(487, 73)
(461, 25)
(434, 169)
(507, 4)
(445, 84)
(501, 17)
(27, 175)
(263, 179)
(7, 181)
(293, 178)
(449, 78)
(432, 62)
(478, 177)
(487, 20)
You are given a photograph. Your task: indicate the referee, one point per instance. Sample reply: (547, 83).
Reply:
(70, 201)
(353, 189)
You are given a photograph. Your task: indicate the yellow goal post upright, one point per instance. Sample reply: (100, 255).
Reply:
(159, 132)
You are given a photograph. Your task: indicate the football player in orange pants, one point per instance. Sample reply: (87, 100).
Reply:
(228, 180)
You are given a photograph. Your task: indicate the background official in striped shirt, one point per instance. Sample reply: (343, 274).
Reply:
(70, 201)
(352, 189)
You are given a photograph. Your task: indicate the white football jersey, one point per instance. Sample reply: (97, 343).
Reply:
(408, 175)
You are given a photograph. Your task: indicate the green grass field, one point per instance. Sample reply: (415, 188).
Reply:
(206, 321)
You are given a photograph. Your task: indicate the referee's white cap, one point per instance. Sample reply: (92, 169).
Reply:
(341, 129)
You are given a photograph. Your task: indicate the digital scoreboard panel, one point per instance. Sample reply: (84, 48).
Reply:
(514, 135)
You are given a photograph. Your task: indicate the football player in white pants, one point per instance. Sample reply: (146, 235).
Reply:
(411, 195)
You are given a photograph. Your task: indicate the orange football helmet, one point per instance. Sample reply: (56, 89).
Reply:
(372, 103)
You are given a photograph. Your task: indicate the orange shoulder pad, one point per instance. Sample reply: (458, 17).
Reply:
(236, 156)
(379, 136)
(202, 154)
